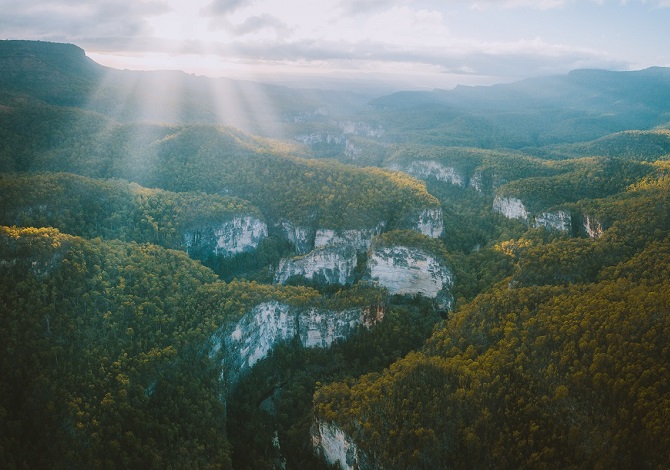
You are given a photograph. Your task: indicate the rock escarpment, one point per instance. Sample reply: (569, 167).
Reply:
(425, 169)
(430, 222)
(246, 342)
(592, 227)
(409, 270)
(559, 220)
(438, 171)
(336, 447)
(359, 239)
(238, 235)
(514, 208)
(510, 207)
(301, 237)
(328, 264)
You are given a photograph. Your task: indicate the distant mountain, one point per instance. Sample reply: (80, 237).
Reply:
(583, 105)
(62, 74)
(56, 73)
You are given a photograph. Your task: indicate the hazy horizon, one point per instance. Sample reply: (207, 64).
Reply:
(401, 44)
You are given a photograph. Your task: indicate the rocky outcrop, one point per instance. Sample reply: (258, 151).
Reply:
(510, 207)
(425, 169)
(253, 337)
(361, 128)
(405, 270)
(329, 264)
(560, 221)
(336, 447)
(351, 150)
(592, 227)
(238, 235)
(326, 138)
(359, 239)
(430, 222)
(302, 238)
(477, 182)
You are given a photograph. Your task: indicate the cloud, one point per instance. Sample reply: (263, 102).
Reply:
(363, 7)
(509, 59)
(257, 23)
(225, 7)
(253, 24)
(77, 19)
(508, 4)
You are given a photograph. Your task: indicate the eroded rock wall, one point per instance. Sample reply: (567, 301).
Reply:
(238, 235)
(404, 270)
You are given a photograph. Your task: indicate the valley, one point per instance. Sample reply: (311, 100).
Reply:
(210, 273)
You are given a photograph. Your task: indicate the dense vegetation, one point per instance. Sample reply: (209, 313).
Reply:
(112, 209)
(562, 365)
(104, 358)
(214, 160)
(555, 355)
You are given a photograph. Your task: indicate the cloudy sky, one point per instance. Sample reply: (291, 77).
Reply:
(414, 43)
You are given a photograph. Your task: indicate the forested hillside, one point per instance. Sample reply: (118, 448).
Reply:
(476, 278)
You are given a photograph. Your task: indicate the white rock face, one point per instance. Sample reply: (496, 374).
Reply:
(254, 336)
(234, 236)
(431, 169)
(404, 270)
(351, 150)
(361, 128)
(359, 239)
(325, 138)
(319, 328)
(476, 182)
(510, 207)
(593, 227)
(269, 323)
(301, 237)
(559, 220)
(430, 222)
(330, 264)
(336, 447)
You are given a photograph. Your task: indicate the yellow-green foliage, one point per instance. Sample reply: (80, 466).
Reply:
(581, 179)
(564, 364)
(412, 239)
(103, 352)
(111, 208)
(212, 159)
(525, 378)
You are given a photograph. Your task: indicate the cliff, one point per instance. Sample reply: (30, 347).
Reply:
(359, 239)
(237, 235)
(510, 207)
(336, 447)
(430, 222)
(329, 264)
(244, 343)
(559, 220)
(409, 270)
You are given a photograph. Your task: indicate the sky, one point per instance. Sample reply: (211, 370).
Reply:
(409, 44)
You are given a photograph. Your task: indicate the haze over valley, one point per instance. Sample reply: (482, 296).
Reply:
(207, 271)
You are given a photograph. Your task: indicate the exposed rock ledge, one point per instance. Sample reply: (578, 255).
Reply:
(329, 264)
(514, 208)
(424, 169)
(592, 227)
(234, 236)
(559, 220)
(359, 239)
(430, 222)
(336, 447)
(256, 333)
(405, 270)
(301, 237)
(510, 207)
